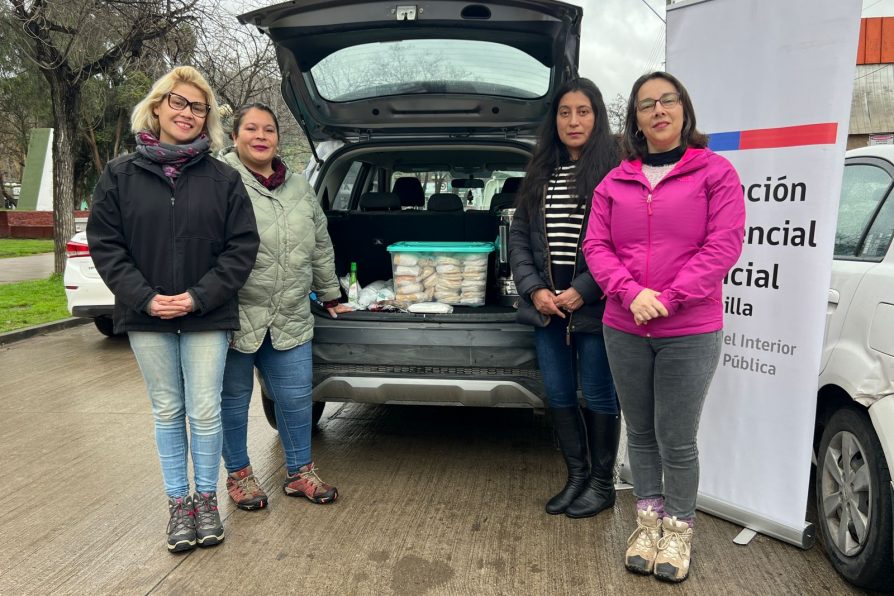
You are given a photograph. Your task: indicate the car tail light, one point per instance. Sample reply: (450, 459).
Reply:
(76, 249)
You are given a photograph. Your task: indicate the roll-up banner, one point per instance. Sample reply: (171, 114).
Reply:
(771, 82)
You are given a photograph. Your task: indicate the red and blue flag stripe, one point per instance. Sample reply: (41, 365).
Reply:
(774, 138)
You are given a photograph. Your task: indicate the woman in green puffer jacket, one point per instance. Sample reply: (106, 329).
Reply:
(276, 323)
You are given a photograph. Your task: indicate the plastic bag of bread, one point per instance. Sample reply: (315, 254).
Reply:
(406, 270)
(405, 258)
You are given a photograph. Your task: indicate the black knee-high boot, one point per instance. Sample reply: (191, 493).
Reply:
(569, 427)
(603, 432)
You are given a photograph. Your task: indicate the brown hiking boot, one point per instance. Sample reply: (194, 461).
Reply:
(307, 484)
(243, 488)
(674, 548)
(642, 546)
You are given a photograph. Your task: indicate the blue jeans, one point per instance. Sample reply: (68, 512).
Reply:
(560, 363)
(287, 376)
(662, 384)
(183, 374)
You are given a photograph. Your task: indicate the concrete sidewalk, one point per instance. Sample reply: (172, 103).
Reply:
(26, 268)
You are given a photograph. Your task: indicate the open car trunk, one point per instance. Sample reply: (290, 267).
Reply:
(363, 238)
(474, 356)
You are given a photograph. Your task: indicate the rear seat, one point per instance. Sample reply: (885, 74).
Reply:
(363, 236)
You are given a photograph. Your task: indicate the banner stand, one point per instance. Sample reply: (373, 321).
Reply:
(804, 538)
(772, 83)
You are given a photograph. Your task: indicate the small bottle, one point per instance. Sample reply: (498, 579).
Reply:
(353, 286)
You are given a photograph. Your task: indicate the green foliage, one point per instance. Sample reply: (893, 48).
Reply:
(24, 104)
(32, 303)
(14, 247)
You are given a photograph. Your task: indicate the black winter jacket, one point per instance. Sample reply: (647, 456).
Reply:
(529, 261)
(148, 237)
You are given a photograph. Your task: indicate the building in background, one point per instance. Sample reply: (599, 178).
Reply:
(872, 106)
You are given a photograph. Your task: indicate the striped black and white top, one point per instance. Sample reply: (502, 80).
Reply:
(563, 224)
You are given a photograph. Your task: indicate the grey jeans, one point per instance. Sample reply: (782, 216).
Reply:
(662, 384)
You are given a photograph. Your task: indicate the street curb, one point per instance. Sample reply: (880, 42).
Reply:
(20, 334)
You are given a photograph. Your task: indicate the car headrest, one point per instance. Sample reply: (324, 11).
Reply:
(502, 200)
(379, 201)
(511, 185)
(445, 201)
(409, 189)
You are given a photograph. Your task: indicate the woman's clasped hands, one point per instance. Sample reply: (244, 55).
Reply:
(646, 307)
(171, 307)
(548, 303)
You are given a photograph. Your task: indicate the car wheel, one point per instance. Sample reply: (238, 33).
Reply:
(853, 500)
(105, 326)
(270, 412)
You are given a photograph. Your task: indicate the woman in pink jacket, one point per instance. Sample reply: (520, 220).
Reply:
(666, 226)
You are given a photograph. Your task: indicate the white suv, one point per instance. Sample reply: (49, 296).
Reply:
(855, 407)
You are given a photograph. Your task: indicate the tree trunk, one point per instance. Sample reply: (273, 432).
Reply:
(8, 198)
(119, 129)
(66, 99)
(94, 151)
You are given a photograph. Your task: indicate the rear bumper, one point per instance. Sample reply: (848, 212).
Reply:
(92, 312)
(421, 362)
(444, 392)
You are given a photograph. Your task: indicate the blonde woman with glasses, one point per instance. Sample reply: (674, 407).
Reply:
(173, 235)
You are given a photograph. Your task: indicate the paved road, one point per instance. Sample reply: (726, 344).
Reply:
(26, 268)
(433, 501)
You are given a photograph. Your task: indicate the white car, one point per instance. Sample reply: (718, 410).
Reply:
(855, 406)
(85, 291)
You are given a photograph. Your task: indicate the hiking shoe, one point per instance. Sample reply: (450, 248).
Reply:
(674, 547)
(209, 529)
(245, 491)
(306, 483)
(642, 546)
(182, 525)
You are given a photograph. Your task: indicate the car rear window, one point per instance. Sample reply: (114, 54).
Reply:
(429, 66)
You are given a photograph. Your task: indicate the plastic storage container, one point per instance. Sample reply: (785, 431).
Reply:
(450, 272)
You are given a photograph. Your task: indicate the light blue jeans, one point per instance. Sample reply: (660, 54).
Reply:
(183, 374)
(288, 378)
(662, 384)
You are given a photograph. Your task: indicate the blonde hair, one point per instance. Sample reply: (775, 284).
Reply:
(144, 118)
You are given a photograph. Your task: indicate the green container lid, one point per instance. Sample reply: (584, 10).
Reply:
(468, 247)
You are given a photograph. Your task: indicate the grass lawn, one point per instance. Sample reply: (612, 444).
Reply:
(16, 247)
(28, 303)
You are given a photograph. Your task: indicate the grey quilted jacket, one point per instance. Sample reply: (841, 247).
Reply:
(294, 258)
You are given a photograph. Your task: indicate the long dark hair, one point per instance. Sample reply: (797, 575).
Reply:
(597, 157)
(635, 146)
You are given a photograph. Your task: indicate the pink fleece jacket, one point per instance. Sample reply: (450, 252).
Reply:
(679, 238)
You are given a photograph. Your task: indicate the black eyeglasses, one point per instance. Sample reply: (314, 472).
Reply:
(668, 100)
(178, 102)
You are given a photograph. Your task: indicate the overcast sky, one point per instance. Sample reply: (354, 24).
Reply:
(622, 39)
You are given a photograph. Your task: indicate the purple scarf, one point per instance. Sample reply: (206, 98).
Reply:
(173, 158)
(276, 178)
